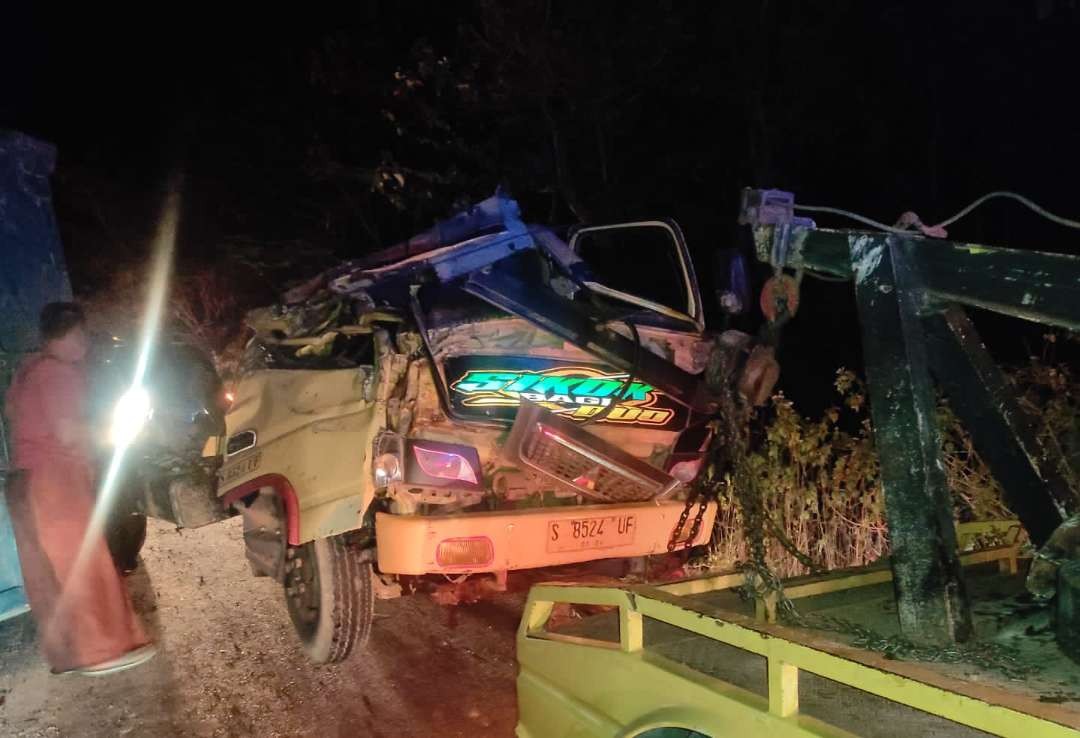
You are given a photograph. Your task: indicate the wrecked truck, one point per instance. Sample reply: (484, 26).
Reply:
(484, 397)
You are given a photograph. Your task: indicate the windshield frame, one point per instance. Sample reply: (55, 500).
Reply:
(694, 313)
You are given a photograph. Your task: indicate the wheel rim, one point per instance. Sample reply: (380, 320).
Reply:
(302, 588)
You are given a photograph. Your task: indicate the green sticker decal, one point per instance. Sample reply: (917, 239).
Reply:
(572, 391)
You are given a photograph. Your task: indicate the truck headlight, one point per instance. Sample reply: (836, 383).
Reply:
(388, 449)
(387, 469)
(129, 416)
(443, 464)
(437, 464)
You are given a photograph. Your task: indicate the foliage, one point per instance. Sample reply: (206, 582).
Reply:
(206, 313)
(1050, 392)
(205, 309)
(820, 486)
(526, 94)
(976, 494)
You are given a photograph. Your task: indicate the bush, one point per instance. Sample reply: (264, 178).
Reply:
(817, 485)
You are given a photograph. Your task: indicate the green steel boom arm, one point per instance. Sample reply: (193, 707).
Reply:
(1033, 285)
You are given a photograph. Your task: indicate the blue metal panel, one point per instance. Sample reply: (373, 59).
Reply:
(33, 258)
(32, 273)
(12, 598)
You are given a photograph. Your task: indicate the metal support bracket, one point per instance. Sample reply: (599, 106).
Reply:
(931, 599)
(1004, 434)
(911, 292)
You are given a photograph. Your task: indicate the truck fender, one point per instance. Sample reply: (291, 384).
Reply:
(689, 718)
(269, 508)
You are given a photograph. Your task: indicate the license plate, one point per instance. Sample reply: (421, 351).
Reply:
(580, 534)
(241, 468)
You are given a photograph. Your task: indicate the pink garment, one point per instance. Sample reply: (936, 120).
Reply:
(82, 608)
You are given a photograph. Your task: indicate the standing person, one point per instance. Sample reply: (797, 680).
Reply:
(83, 612)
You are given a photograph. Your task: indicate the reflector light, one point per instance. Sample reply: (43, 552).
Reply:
(475, 551)
(686, 471)
(588, 479)
(444, 464)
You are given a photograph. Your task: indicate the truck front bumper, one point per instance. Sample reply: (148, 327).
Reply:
(500, 541)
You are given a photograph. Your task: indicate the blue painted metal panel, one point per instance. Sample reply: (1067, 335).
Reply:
(12, 598)
(32, 273)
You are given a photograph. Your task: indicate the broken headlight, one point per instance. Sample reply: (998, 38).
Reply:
(386, 465)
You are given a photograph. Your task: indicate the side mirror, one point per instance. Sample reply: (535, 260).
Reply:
(732, 282)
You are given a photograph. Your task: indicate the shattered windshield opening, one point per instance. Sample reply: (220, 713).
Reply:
(447, 304)
(338, 351)
(308, 335)
(637, 261)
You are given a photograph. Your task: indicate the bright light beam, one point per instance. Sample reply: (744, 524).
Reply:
(164, 247)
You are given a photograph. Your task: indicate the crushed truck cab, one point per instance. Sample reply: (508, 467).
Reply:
(484, 397)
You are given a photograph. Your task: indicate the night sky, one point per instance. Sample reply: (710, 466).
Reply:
(292, 133)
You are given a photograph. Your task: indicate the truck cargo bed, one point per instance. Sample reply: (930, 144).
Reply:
(1012, 680)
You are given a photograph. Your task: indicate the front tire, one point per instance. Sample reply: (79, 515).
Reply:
(330, 597)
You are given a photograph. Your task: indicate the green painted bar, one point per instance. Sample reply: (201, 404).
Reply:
(1032, 285)
(1002, 432)
(931, 599)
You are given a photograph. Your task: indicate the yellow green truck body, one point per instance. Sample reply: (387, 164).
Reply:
(667, 661)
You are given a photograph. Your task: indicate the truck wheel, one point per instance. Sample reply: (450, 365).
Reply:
(331, 600)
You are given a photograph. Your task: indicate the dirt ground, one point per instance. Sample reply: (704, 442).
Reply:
(228, 663)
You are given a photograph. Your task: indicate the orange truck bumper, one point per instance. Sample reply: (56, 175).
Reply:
(525, 539)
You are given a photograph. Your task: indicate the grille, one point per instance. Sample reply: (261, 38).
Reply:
(591, 473)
